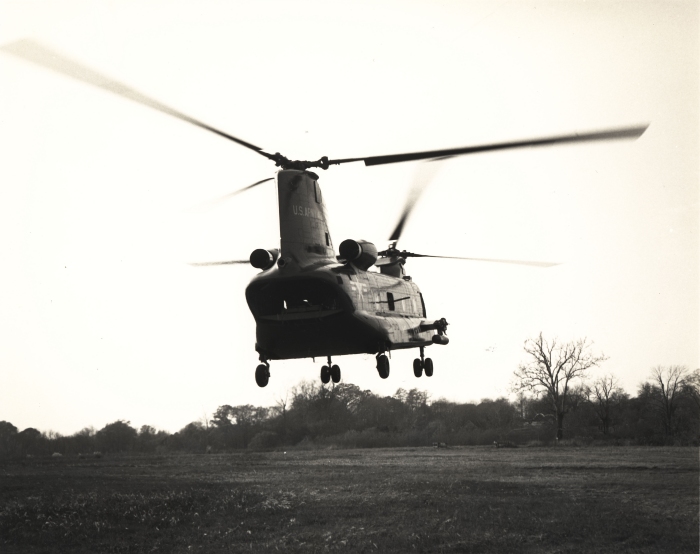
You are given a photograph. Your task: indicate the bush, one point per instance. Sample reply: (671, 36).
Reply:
(264, 440)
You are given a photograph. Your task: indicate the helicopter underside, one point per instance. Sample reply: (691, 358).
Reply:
(336, 333)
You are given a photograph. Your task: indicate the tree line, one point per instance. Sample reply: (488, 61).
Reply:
(665, 410)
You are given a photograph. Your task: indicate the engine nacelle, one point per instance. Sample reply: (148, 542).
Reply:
(264, 259)
(361, 253)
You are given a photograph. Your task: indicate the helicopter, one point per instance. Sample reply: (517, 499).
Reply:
(308, 301)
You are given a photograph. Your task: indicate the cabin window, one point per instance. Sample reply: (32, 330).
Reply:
(390, 301)
(422, 303)
(317, 190)
(328, 239)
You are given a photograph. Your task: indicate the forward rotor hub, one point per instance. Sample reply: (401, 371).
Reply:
(301, 165)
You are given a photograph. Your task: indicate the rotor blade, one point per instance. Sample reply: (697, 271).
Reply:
(518, 262)
(610, 134)
(231, 262)
(424, 174)
(216, 201)
(41, 55)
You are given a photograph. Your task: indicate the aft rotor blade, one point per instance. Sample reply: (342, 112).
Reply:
(610, 134)
(422, 178)
(230, 262)
(41, 55)
(216, 201)
(518, 262)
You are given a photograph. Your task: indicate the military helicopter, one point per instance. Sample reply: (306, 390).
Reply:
(307, 300)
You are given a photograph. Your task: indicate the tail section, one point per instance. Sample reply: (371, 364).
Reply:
(304, 234)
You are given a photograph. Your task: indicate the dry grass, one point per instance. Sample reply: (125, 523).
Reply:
(417, 499)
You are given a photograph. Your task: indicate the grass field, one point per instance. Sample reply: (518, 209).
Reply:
(478, 499)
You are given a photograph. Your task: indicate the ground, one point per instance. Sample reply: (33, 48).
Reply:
(471, 499)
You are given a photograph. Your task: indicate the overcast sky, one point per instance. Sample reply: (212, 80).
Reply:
(103, 318)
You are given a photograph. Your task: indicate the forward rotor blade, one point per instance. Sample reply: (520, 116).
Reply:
(424, 175)
(517, 262)
(216, 201)
(231, 262)
(41, 55)
(610, 134)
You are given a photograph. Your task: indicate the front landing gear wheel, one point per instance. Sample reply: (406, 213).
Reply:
(262, 375)
(383, 366)
(335, 374)
(428, 367)
(325, 374)
(417, 367)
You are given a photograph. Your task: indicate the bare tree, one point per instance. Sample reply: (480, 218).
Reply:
(281, 410)
(521, 402)
(204, 420)
(692, 387)
(554, 368)
(608, 396)
(668, 386)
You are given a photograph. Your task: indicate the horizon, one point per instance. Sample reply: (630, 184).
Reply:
(206, 418)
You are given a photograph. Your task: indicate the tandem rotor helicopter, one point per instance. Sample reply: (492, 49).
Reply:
(307, 300)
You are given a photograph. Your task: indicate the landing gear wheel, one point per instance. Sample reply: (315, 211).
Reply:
(262, 375)
(325, 374)
(383, 366)
(428, 364)
(335, 374)
(417, 367)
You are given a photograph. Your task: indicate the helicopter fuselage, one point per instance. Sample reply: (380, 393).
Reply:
(307, 304)
(335, 309)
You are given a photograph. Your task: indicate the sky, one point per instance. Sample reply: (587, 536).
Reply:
(101, 198)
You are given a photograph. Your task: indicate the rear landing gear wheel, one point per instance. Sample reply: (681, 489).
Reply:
(335, 374)
(325, 374)
(262, 375)
(428, 364)
(383, 366)
(417, 367)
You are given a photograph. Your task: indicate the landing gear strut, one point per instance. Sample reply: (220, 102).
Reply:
(262, 373)
(329, 372)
